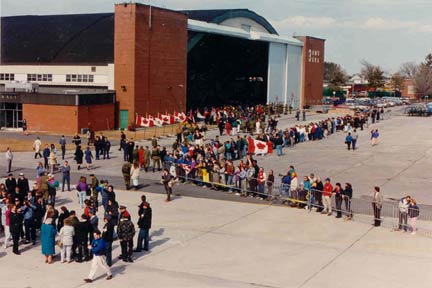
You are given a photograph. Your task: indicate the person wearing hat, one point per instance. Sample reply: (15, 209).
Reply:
(10, 183)
(126, 232)
(23, 184)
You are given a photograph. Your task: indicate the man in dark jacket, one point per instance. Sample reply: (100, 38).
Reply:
(10, 183)
(126, 232)
(144, 223)
(108, 237)
(46, 152)
(23, 185)
(83, 231)
(15, 226)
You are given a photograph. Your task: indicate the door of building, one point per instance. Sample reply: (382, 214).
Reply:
(124, 119)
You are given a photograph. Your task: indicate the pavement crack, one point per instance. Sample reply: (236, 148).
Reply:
(335, 258)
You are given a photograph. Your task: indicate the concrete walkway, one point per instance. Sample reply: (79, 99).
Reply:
(211, 243)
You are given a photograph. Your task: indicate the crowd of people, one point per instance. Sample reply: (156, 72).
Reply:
(30, 215)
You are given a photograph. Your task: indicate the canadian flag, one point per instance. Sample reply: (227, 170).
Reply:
(158, 121)
(179, 117)
(144, 122)
(259, 147)
(167, 118)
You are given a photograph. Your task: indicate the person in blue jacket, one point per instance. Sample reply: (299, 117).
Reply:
(98, 247)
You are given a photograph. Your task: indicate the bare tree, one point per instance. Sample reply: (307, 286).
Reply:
(373, 74)
(397, 81)
(408, 70)
(423, 80)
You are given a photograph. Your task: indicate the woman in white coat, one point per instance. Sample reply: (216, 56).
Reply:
(134, 174)
(67, 232)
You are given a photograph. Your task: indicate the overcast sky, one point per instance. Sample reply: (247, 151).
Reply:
(383, 32)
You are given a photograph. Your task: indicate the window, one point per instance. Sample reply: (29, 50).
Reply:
(7, 76)
(37, 77)
(93, 69)
(79, 78)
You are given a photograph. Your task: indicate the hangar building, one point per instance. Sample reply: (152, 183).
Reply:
(144, 60)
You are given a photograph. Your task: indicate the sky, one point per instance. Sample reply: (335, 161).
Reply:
(383, 32)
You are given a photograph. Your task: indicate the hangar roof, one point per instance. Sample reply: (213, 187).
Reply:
(217, 16)
(58, 39)
(86, 39)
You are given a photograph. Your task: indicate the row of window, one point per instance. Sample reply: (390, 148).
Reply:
(39, 77)
(79, 78)
(7, 76)
(48, 77)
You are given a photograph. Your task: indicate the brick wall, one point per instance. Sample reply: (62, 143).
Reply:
(151, 61)
(68, 120)
(313, 70)
(52, 118)
(96, 117)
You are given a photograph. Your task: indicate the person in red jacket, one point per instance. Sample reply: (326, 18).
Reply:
(327, 193)
(228, 128)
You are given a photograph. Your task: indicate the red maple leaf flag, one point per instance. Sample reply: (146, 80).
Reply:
(257, 147)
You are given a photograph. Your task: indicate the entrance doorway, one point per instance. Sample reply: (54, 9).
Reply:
(124, 119)
(11, 115)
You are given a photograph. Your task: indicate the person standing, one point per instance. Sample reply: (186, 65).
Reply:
(79, 156)
(377, 202)
(374, 137)
(348, 140)
(126, 171)
(88, 157)
(46, 154)
(122, 140)
(134, 175)
(354, 138)
(9, 158)
(108, 237)
(62, 143)
(413, 213)
(327, 193)
(270, 182)
(48, 233)
(67, 233)
(347, 195)
(15, 227)
(126, 232)
(24, 127)
(403, 213)
(98, 247)
(168, 183)
(338, 191)
(52, 160)
(36, 148)
(107, 147)
(65, 170)
(144, 223)
(146, 158)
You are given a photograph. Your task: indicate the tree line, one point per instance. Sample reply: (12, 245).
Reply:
(419, 74)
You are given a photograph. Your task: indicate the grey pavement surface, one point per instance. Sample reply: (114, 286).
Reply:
(202, 242)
